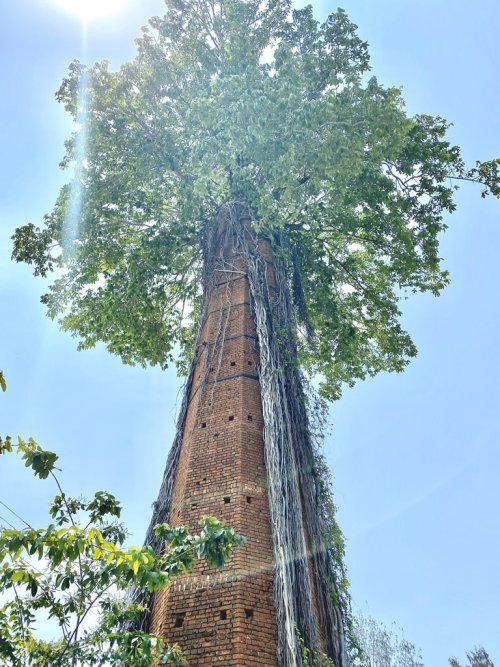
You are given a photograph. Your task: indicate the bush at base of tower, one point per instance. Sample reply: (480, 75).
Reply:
(70, 579)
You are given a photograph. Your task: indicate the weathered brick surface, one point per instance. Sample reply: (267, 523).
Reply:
(227, 617)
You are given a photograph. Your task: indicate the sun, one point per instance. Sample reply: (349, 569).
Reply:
(91, 9)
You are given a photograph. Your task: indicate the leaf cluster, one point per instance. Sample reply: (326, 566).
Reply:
(236, 100)
(76, 573)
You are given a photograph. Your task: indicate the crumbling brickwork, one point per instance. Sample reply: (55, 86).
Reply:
(227, 617)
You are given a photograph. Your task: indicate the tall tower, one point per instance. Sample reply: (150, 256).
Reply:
(224, 617)
(243, 453)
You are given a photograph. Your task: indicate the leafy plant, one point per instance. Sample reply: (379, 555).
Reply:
(76, 572)
(308, 660)
(261, 105)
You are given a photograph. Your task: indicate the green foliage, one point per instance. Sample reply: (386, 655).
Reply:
(42, 462)
(308, 660)
(487, 173)
(476, 658)
(78, 568)
(334, 538)
(237, 101)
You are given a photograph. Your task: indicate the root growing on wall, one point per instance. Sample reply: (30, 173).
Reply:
(307, 599)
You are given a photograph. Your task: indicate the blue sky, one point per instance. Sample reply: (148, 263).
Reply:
(414, 456)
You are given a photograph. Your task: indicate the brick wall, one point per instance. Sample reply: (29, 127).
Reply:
(227, 617)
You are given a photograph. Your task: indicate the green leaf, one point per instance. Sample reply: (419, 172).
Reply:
(5, 445)
(41, 461)
(18, 553)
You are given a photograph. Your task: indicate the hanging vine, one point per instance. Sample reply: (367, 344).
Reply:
(308, 572)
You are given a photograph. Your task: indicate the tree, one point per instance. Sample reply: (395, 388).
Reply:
(242, 110)
(382, 647)
(476, 658)
(238, 102)
(76, 571)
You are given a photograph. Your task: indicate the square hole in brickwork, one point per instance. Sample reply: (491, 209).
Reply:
(233, 363)
(227, 500)
(194, 506)
(248, 613)
(216, 435)
(249, 363)
(223, 614)
(249, 499)
(203, 424)
(179, 620)
(231, 418)
(250, 418)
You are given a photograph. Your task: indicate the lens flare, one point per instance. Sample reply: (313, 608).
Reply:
(91, 9)
(77, 187)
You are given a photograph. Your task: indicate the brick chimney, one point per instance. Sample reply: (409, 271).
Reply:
(226, 617)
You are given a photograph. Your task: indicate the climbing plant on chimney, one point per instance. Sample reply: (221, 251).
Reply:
(241, 109)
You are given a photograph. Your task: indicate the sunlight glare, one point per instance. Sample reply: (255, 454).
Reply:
(91, 9)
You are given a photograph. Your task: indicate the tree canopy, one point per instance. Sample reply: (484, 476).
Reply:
(256, 103)
(478, 657)
(380, 646)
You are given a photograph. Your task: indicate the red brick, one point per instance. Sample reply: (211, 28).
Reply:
(224, 458)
